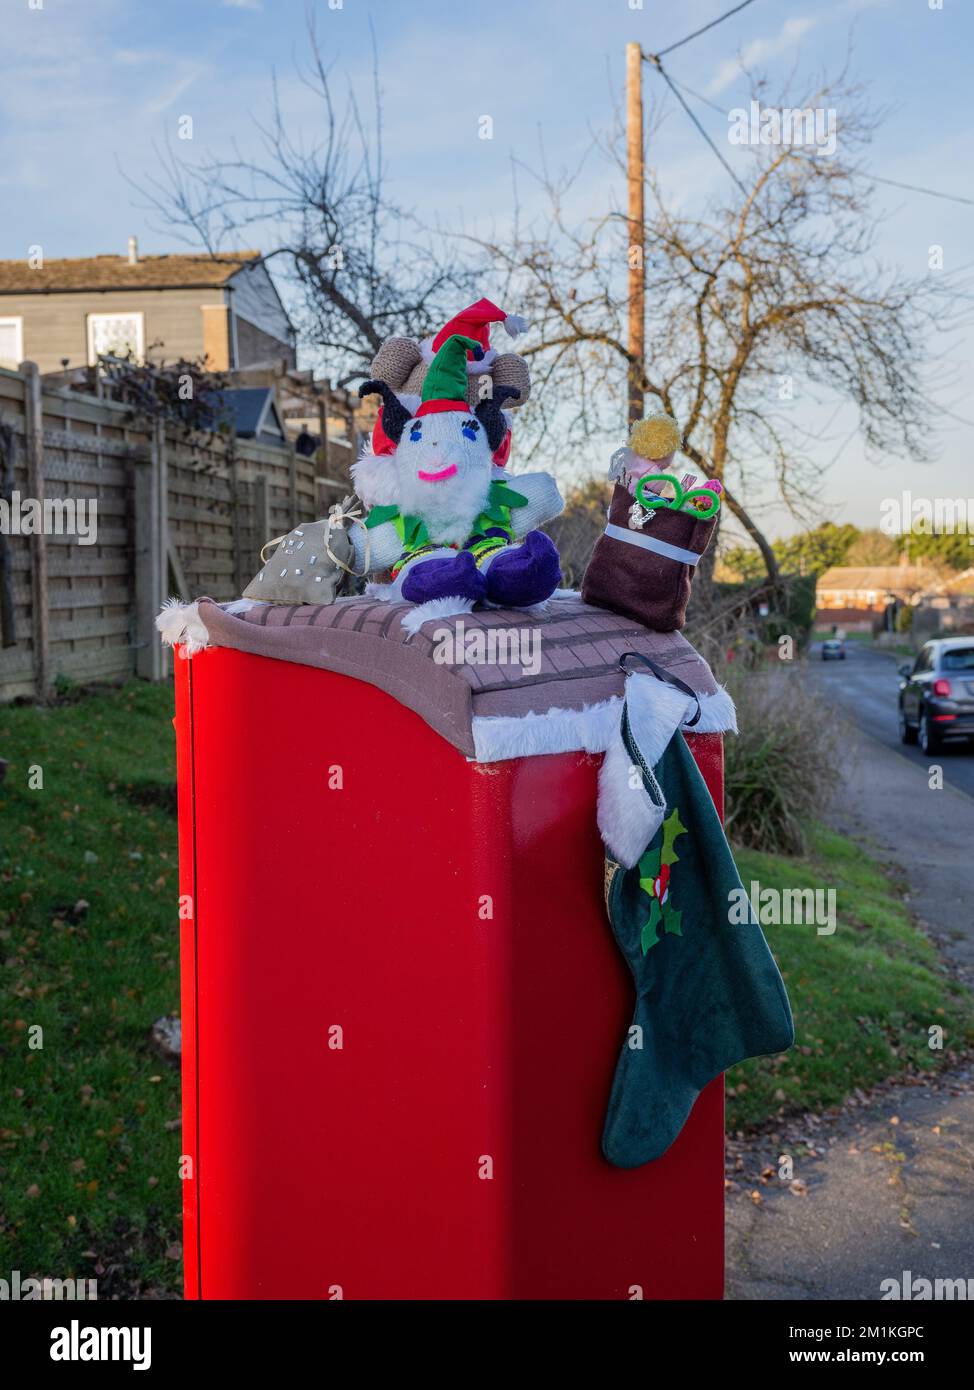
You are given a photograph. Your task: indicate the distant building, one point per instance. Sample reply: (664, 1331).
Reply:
(223, 308)
(864, 597)
(252, 412)
(947, 607)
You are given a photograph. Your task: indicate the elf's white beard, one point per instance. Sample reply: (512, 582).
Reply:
(376, 479)
(450, 507)
(376, 476)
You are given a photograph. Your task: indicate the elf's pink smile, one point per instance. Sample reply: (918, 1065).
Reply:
(439, 477)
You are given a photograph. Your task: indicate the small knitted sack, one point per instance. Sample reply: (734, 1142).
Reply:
(314, 563)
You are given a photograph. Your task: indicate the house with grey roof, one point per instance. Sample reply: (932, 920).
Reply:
(63, 314)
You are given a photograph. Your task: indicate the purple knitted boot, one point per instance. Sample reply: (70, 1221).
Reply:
(524, 574)
(458, 577)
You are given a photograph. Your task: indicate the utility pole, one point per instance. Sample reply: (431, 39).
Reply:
(637, 283)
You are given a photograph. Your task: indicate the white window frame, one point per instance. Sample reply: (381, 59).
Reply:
(18, 324)
(92, 319)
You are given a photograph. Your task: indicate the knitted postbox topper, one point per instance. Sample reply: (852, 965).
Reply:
(658, 528)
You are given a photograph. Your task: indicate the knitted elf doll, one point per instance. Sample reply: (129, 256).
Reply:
(454, 530)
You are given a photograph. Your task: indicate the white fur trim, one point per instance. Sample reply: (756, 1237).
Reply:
(587, 730)
(179, 624)
(435, 608)
(473, 368)
(656, 711)
(243, 605)
(514, 324)
(497, 737)
(718, 714)
(627, 816)
(386, 593)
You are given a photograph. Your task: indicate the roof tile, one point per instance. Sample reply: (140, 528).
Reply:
(850, 577)
(115, 272)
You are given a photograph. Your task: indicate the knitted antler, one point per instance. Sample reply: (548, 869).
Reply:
(490, 415)
(395, 416)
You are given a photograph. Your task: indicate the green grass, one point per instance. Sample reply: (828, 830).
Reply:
(89, 1134)
(89, 1124)
(863, 998)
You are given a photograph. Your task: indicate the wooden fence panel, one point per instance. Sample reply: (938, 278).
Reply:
(176, 514)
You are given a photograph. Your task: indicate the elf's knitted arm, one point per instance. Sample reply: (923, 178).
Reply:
(544, 501)
(385, 546)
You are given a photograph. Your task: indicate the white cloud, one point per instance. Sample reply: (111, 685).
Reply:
(240, 4)
(761, 50)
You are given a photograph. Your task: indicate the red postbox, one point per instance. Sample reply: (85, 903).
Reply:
(402, 1007)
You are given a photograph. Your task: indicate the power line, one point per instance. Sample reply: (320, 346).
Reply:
(672, 86)
(873, 178)
(913, 188)
(697, 32)
(698, 96)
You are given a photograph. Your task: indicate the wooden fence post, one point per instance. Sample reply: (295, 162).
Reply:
(262, 510)
(150, 547)
(324, 402)
(235, 490)
(162, 482)
(34, 431)
(292, 485)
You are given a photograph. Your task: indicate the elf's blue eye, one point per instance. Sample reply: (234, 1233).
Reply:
(415, 431)
(470, 428)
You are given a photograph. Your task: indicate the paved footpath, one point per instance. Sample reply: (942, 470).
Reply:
(888, 1185)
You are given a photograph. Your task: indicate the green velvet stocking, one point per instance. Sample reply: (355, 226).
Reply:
(708, 993)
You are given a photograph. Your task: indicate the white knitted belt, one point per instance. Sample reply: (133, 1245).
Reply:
(671, 552)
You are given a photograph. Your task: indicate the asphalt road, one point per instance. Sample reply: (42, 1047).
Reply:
(887, 1185)
(864, 687)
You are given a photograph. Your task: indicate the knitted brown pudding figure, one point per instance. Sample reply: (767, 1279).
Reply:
(658, 527)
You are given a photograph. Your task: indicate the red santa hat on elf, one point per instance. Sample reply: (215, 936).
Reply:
(474, 322)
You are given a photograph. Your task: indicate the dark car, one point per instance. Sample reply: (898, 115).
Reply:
(833, 647)
(937, 694)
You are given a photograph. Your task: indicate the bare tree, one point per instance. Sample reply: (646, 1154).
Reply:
(775, 283)
(359, 267)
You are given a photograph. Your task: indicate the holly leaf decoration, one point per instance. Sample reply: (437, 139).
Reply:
(648, 935)
(649, 866)
(672, 921)
(654, 880)
(672, 827)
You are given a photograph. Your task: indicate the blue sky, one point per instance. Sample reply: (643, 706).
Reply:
(90, 88)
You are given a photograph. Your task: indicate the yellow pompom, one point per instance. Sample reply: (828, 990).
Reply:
(655, 437)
